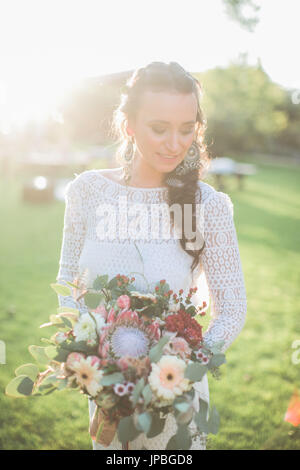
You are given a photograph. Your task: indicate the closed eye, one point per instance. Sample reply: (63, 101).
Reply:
(161, 131)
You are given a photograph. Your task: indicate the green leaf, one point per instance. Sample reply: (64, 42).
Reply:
(144, 421)
(182, 407)
(183, 437)
(67, 309)
(12, 387)
(137, 391)
(216, 360)
(61, 290)
(172, 443)
(147, 394)
(25, 387)
(30, 370)
(92, 300)
(67, 322)
(100, 282)
(156, 351)
(200, 418)
(39, 354)
(191, 310)
(216, 347)
(127, 430)
(195, 371)
(213, 421)
(51, 351)
(157, 425)
(111, 379)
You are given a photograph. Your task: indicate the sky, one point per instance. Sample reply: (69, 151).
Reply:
(47, 46)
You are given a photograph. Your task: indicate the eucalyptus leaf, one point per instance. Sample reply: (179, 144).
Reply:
(172, 444)
(147, 394)
(213, 421)
(92, 300)
(137, 391)
(25, 387)
(195, 371)
(183, 437)
(144, 420)
(39, 354)
(30, 370)
(12, 387)
(157, 425)
(127, 430)
(216, 360)
(100, 282)
(61, 290)
(156, 351)
(111, 379)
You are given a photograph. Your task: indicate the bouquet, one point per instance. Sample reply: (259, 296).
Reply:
(136, 355)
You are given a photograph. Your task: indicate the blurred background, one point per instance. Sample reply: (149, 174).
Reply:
(63, 64)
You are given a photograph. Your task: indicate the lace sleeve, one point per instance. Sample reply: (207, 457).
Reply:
(223, 272)
(72, 242)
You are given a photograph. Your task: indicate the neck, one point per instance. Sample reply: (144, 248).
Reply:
(145, 176)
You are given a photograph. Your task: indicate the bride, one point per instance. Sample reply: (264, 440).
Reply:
(163, 159)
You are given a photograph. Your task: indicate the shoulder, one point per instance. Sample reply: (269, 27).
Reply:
(81, 182)
(215, 202)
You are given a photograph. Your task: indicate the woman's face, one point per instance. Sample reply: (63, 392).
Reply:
(164, 129)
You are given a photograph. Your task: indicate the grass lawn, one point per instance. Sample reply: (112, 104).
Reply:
(259, 377)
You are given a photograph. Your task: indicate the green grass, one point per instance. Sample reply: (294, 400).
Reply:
(259, 377)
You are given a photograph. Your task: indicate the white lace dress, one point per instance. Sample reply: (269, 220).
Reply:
(106, 243)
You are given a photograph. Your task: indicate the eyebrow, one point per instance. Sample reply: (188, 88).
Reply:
(166, 122)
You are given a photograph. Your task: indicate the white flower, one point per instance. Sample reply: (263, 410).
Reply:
(167, 377)
(174, 307)
(141, 296)
(88, 375)
(85, 329)
(100, 320)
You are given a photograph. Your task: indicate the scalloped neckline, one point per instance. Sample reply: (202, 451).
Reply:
(135, 188)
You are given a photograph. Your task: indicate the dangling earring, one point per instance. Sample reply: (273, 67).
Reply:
(191, 161)
(128, 156)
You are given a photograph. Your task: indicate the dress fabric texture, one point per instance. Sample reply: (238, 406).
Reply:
(112, 229)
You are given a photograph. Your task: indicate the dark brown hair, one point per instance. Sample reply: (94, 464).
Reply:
(162, 77)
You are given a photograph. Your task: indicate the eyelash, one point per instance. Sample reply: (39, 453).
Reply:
(161, 132)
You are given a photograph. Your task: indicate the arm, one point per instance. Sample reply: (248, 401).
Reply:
(72, 243)
(223, 271)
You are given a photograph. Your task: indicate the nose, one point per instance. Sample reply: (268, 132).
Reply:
(173, 144)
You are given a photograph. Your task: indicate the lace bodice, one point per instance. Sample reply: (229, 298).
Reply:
(88, 247)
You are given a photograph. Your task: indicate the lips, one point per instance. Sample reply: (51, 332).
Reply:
(168, 157)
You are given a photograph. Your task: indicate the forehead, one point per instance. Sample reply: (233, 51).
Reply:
(166, 106)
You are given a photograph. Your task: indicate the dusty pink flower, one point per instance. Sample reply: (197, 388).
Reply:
(123, 302)
(123, 363)
(101, 310)
(74, 358)
(179, 346)
(154, 327)
(94, 360)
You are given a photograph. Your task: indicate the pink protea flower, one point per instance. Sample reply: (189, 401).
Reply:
(103, 350)
(154, 327)
(123, 302)
(111, 316)
(128, 315)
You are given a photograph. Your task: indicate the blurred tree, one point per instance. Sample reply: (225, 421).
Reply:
(245, 110)
(241, 10)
